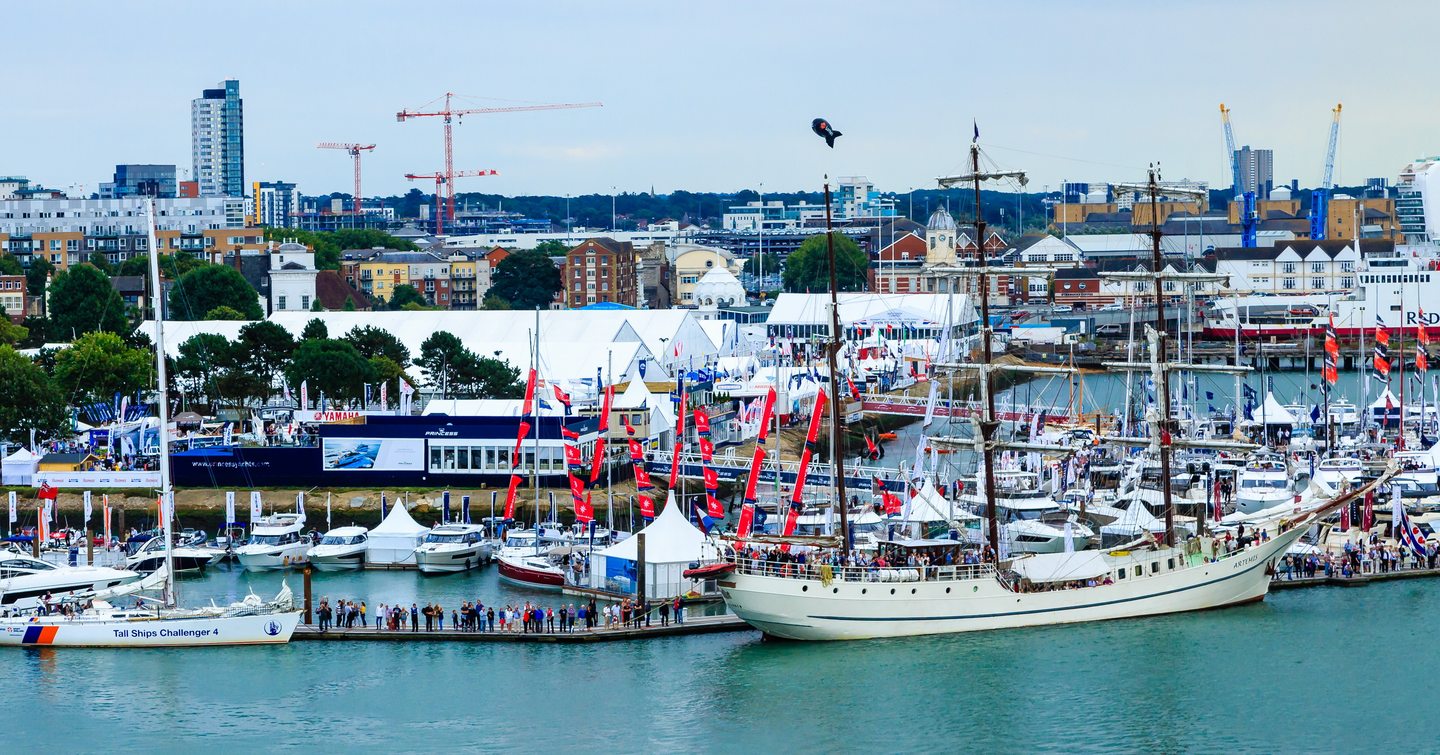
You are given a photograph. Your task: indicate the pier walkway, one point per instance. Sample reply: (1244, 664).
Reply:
(1281, 582)
(692, 625)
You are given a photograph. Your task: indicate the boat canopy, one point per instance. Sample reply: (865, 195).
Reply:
(1061, 567)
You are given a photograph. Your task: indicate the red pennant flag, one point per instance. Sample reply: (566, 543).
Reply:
(572, 457)
(510, 496)
(584, 512)
(577, 488)
(707, 450)
(870, 445)
(560, 395)
(629, 428)
(892, 504)
(675, 466)
(642, 478)
(746, 523)
(598, 460)
(1367, 518)
(702, 423)
(767, 416)
(714, 508)
(754, 480)
(637, 453)
(712, 479)
(519, 438)
(647, 507)
(791, 517)
(854, 392)
(529, 406)
(568, 434)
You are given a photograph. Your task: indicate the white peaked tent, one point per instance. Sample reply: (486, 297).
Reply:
(395, 540)
(929, 506)
(19, 468)
(1273, 413)
(672, 543)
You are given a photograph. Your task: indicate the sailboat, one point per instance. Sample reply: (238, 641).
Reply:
(828, 596)
(90, 620)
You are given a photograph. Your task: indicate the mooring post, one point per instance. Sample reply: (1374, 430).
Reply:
(306, 572)
(640, 565)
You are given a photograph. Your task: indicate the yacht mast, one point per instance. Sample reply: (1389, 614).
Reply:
(832, 349)
(162, 390)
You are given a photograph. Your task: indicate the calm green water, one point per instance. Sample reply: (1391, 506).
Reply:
(1317, 670)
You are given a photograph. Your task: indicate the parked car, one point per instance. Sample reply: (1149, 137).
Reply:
(1061, 308)
(1117, 307)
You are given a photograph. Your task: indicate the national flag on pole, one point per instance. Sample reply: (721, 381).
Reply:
(1407, 533)
(560, 395)
(48, 492)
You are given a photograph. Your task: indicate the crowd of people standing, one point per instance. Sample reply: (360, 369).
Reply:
(516, 618)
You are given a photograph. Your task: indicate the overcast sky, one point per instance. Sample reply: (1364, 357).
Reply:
(718, 96)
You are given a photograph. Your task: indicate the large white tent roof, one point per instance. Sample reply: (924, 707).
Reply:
(398, 522)
(925, 310)
(670, 539)
(1272, 413)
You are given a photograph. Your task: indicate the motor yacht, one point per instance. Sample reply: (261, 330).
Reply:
(1417, 473)
(453, 548)
(342, 549)
(1336, 471)
(24, 580)
(150, 555)
(276, 542)
(538, 571)
(1263, 483)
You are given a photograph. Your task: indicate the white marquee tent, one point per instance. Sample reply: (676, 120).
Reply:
(394, 541)
(19, 468)
(672, 543)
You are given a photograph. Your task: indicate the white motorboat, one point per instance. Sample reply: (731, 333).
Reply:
(151, 556)
(453, 548)
(1263, 483)
(341, 549)
(537, 571)
(1336, 471)
(275, 542)
(1036, 527)
(24, 580)
(1417, 472)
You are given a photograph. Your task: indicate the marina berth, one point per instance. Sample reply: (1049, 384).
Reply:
(453, 548)
(276, 542)
(25, 581)
(394, 540)
(341, 549)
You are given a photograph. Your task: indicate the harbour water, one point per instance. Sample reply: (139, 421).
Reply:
(1316, 670)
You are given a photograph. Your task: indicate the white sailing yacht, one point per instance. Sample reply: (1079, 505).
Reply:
(815, 600)
(154, 623)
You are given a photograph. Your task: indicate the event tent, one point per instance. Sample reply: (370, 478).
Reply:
(394, 541)
(672, 543)
(19, 468)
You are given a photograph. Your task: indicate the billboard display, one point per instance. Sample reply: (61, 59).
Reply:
(380, 454)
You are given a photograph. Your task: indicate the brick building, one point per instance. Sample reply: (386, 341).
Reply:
(600, 270)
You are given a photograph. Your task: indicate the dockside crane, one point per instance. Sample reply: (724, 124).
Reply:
(450, 114)
(441, 180)
(355, 151)
(1320, 198)
(1249, 224)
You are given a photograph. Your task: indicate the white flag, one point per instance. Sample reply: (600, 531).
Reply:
(304, 394)
(229, 507)
(14, 508)
(255, 511)
(48, 515)
(300, 504)
(169, 512)
(384, 394)
(405, 388)
(87, 507)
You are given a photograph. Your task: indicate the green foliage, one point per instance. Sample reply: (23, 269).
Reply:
(35, 277)
(373, 342)
(459, 373)
(10, 333)
(332, 367)
(30, 400)
(203, 289)
(10, 266)
(262, 349)
(349, 305)
(315, 329)
(99, 260)
(495, 303)
(172, 266)
(202, 358)
(528, 280)
(329, 244)
(552, 248)
(807, 269)
(316, 306)
(406, 294)
(82, 300)
(99, 364)
(772, 264)
(225, 313)
(386, 370)
(38, 328)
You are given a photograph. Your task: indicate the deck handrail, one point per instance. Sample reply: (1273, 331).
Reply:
(871, 573)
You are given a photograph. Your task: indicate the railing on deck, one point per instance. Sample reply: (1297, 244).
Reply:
(869, 574)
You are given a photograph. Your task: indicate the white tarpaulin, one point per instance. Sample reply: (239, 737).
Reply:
(1061, 567)
(394, 541)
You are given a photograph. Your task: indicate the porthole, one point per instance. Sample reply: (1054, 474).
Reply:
(835, 590)
(947, 591)
(864, 590)
(912, 591)
(804, 588)
(892, 591)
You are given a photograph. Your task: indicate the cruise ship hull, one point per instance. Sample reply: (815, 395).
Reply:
(807, 609)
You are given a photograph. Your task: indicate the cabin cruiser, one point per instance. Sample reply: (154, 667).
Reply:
(538, 571)
(1335, 471)
(1417, 473)
(275, 542)
(1263, 483)
(341, 549)
(453, 548)
(24, 580)
(150, 555)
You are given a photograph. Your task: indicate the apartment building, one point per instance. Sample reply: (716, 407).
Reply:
(66, 232)
(600, 270)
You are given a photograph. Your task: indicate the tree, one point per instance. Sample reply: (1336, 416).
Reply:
(441, 357)
(315, 329)
(406, 294)
(35, 277)
(225, 313)
(807, 269)
(172, 266)
(38, 328)
(552, 248)
(99, 365)
(202, 358)
(205, 288)
(772, 264)
(486, 377)
(316, 306)
(494, 303)
(10, 266)
(373, 342)
(99, 260)
(262, 349)
(459, 373)
(10, 333)
(327, 245)
(528, 280)
(82, 300)
(332, 367)
(31, 400)
(349, 305)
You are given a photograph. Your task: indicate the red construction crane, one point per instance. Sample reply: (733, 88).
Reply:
(443, 179)
(449, 114)
(354, 150)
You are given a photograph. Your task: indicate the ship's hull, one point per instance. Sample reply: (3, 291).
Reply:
(272, 559)
(332, 558)
(451, 560)
(516, 572)
(56, 631)
(807, 609)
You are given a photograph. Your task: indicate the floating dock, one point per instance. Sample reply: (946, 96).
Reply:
(695, 625)
(1280, 582)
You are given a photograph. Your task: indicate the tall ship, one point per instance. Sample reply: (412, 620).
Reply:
(921, 587)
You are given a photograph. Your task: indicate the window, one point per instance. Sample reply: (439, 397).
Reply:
(1347, 266)
(54, 245)
(1317, 282)
(282, 302)
(1288, 283)
(1287, 267)
(1317, 267)
(1347, 282)
(305, 302)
